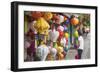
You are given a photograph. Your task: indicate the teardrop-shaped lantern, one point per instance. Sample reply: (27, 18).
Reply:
(53, 35)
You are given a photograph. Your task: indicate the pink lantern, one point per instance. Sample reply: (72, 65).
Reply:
(61, 28)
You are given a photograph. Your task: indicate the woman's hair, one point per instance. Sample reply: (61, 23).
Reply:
(80, 33)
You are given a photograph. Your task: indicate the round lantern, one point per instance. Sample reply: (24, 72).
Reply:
(61, 28)
(76, 34)
(36, 14)
(55, 17)
(61, 19)
(47, 15)
(74, 21)
(65, 28)
(67, 21)
(66, 35)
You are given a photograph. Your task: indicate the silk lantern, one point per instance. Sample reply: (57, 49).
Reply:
(53, 35)
(42, 52)
(61, 19)
(41, 26)
(74, 21)
(61, 28)
(76, 34)
(47, 15)
(66, 35)
(36, 14)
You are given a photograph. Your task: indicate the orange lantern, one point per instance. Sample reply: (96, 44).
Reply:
(36, 14)
(74, 21)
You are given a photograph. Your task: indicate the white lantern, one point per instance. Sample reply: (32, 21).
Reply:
(53, 34)
(61, 19)
(42, 51)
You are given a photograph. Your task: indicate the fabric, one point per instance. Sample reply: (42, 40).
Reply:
(80, 53)
(81, 41)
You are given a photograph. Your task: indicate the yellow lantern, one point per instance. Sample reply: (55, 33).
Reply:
(66, 35)
(41, 25)
(61, 56)
(47, 15)
(60, 49)
(76, 34)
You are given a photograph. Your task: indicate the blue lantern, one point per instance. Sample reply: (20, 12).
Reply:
(67, 21)
(65, 28)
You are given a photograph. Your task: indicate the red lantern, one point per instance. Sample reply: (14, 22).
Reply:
(55, 17)
(61, 33)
